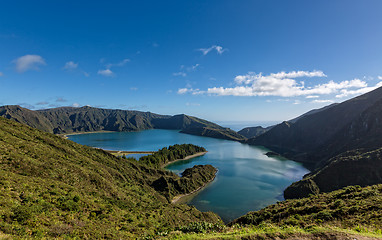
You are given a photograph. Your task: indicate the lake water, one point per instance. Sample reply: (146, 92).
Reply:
(247, 180)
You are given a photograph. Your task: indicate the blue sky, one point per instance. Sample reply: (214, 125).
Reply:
(218, 60)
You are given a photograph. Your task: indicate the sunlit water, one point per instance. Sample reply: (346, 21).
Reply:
(247, 179)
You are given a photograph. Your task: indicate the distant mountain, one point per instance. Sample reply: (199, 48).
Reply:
(319, 136)
(88, 119)
(250, 132)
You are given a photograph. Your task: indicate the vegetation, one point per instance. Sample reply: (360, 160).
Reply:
(52, 187)
(359, 167)
(350, 212)
(172, 153)
(88, 119)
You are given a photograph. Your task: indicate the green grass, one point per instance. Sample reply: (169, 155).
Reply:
(52, 187)
(351, 211)
(268, 231)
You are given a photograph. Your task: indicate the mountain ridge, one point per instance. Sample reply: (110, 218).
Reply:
(66, 120)
(307, 139)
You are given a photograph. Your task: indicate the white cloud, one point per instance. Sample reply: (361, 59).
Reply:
(119, 64)
(183, 74)
(346, 92)
(322, 101)
(219, 49)
(183, 90)
(29, 62)
(380, 77)
(312, 96)
(185, 69)
(70, 66)
(194, 67)
(106, 73)
(296, 74)
(189, 90)
(75, 104)
(282, 84)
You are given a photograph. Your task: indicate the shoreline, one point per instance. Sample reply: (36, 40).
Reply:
(178, 198)
(184, 159)
(65, 135)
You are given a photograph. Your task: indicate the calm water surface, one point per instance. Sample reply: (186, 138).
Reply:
(247, 179)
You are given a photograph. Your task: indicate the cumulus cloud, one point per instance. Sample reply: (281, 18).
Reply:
(70, 66)
(346, 92)
(284, 84)
(189, 90)
(106, 73)
(28, 62)
(75, 105)
(380, 77)
(219, 49)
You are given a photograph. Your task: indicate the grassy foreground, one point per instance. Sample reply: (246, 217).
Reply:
(54, 188)
(352, 212)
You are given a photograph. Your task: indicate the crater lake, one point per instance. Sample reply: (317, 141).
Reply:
(247, 179)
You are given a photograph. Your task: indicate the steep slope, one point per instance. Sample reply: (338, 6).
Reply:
(351, 208)
(312, 112)
(26, 116)
(350, 213)
(317, 137)
(250, 132)
(88, 119)
(358, 167)
(52, 187)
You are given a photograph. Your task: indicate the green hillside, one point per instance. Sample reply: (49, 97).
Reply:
(350, 213)
(88, 119)
(52, 187)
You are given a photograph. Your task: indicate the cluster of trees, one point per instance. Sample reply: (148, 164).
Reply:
(171, 153)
